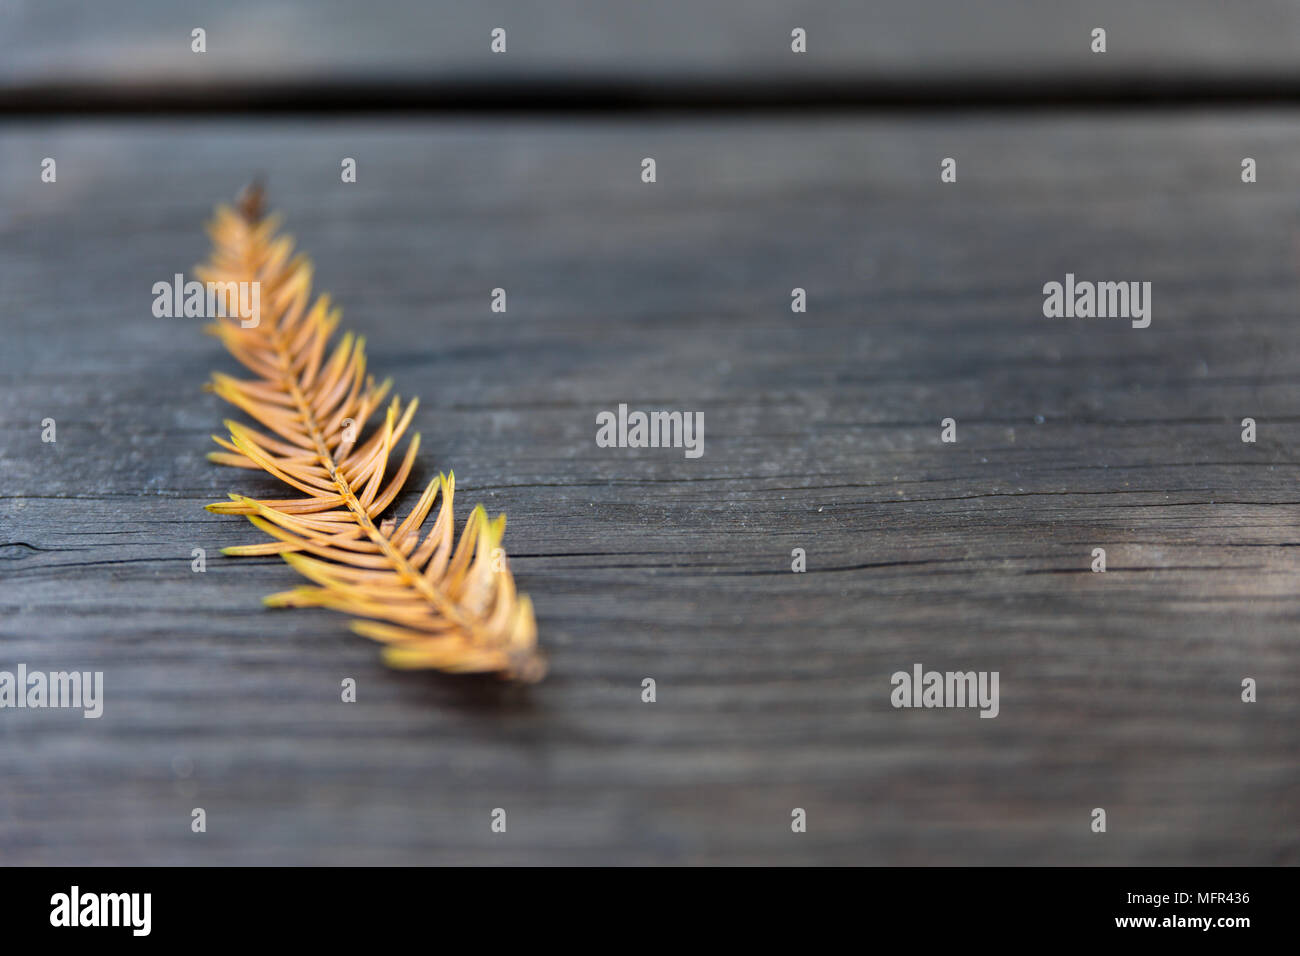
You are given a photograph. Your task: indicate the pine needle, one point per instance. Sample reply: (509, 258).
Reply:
(432, 604)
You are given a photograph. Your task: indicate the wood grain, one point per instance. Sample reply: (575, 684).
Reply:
(822, 432)
(147, 42)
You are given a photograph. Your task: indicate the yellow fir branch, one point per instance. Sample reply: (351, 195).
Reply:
(433, 602)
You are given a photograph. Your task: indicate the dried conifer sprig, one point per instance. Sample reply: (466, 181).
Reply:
(433, 605)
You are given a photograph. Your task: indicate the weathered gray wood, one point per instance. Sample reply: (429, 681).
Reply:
(149, 41)
(822, 432)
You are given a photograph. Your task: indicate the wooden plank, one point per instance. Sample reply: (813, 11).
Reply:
(822, 432)
(149, 41)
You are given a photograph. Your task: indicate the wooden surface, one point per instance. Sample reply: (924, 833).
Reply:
(822, 432)
(148, 41)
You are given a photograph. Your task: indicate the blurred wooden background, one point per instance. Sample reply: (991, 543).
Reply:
(822, 432)
(66, 40)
